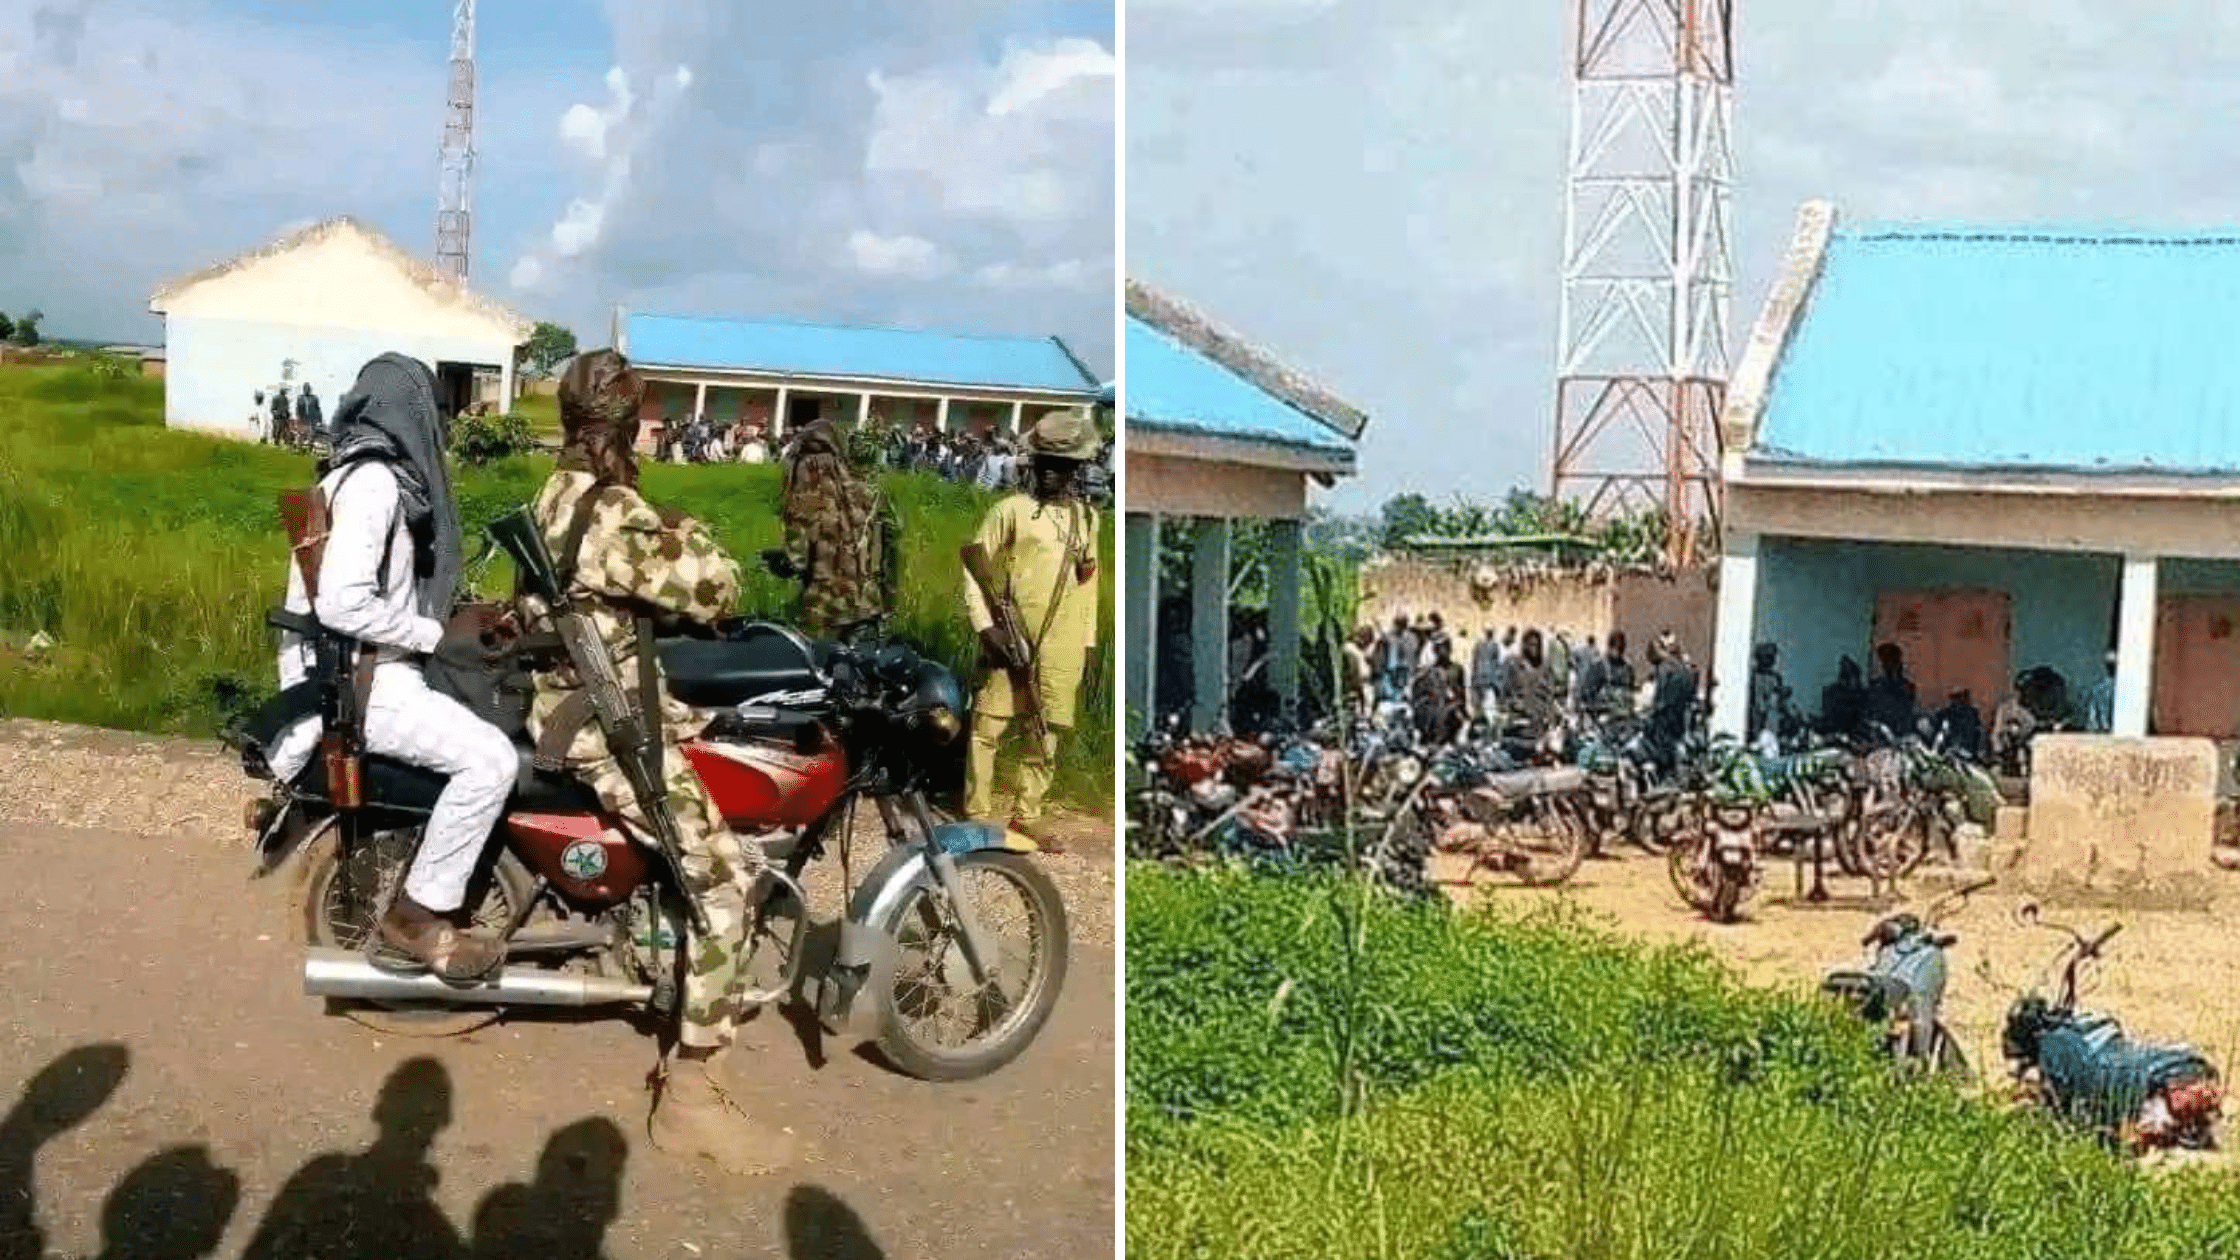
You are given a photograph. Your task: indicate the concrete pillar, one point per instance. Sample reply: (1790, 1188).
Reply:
(1209, 622)
(778, 416)
(1733, 634)
(1284, 579)
(2135, 618)
(700, 400)
(941, 417)
(863, 410)
(1140, 588)
(505, 387)
(1019, 417)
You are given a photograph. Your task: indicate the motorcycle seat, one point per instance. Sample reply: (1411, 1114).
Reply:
(401, 787)
(723, 673)
(1519, 784)
(1874, 996)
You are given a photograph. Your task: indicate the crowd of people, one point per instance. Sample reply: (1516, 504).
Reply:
(1855, 708)
(1521, 682)
(994, 461)
(1524, 682)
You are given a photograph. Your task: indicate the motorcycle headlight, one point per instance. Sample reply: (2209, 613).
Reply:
(1407, 770)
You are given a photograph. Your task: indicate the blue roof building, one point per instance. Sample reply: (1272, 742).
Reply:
(775, 373)
(1997, 448)
(1218, 431)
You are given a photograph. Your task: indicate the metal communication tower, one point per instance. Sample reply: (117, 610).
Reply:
(1648, 262)
(455, 196)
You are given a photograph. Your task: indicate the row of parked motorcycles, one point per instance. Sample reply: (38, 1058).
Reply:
(1536, 805)
(1375, 797)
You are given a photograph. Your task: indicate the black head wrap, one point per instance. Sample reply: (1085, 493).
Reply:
(390, 415)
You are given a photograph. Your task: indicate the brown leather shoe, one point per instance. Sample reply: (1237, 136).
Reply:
(454, 956)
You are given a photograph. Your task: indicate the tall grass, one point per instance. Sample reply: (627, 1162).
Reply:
(150, 558)
(1479, 1086)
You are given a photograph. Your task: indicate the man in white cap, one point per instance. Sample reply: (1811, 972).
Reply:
(1031, 591)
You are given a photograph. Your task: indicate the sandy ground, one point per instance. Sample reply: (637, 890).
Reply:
(2171, 974)
(154, 1007)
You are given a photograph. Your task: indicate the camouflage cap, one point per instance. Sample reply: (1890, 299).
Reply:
(1065, 434)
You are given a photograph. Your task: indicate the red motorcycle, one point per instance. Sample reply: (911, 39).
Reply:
(798, 733)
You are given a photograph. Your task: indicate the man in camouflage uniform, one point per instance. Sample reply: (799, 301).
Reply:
(839, 536)
(1042, 547)
(637, 559)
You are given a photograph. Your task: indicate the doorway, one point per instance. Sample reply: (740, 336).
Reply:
(1953, 640)
(2197, 666)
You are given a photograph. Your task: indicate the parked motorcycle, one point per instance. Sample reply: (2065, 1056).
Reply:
(1801, 806)
(1523, 822)
(1901, 990)
(798, 733)
(2081, 1066)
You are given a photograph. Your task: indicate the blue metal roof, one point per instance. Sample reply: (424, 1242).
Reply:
(879, 353)
(2018, 348)
(1171, 386)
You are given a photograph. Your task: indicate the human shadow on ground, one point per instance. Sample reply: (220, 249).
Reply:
(63, 1095)
(174, 1206)
(564, 1213)
(373, 1204)
(819, 1226)
(378, 1202)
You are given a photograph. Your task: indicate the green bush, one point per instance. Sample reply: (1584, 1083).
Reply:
(150, 557)
(477, 440)
(1315, 1073)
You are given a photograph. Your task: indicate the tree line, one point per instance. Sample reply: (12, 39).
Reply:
(22, 330)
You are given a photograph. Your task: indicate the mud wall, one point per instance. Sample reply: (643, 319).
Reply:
(1577, 604)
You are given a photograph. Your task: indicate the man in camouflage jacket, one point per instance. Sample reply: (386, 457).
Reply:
(839, 535)
(638, 559)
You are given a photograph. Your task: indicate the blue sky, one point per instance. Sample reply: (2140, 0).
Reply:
(946, 164)
(1374, 188)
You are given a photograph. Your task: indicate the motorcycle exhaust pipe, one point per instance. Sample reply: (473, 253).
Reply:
(343, 973)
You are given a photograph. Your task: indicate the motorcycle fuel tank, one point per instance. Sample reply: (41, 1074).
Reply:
(760, 785)
(593, 865)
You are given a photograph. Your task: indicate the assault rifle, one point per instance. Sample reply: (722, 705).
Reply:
(1010, 628)
(633, 737)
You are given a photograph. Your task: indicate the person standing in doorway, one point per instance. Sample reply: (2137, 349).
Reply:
(1890, 697)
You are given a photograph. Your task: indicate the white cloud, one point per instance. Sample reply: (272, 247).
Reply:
(608, 136)
(995, 141)
(949, 124)
(913, 257)
(1028, 75)
(1376, 188)
(1063, 274)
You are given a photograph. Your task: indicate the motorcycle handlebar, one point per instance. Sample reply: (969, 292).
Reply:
(2093, 946)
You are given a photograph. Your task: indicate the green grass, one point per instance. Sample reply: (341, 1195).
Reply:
(1314, 1073)
(150, 558)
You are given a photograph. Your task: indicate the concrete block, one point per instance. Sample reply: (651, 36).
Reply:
(2011, 825)
(2119, 813)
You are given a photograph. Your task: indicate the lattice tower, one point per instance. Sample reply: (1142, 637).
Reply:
(455, 195)
(1648, 265)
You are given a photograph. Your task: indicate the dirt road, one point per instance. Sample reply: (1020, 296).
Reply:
(2171, 974)
(160, 992)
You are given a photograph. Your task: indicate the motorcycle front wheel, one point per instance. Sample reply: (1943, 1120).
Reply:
(935, 1023)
